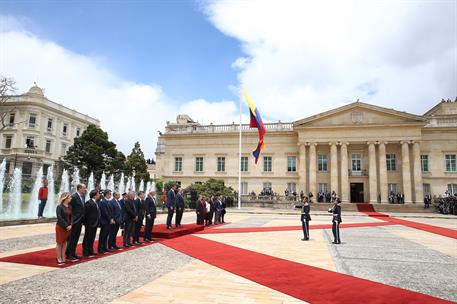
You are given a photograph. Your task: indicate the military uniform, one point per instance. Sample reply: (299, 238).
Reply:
(336, 220)
(305, 218)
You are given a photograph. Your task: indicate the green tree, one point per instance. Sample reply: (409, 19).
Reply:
(211, 187)
(93, 152)
(136, 163)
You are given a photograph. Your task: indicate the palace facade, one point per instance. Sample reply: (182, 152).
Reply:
(361, 151)
(39, 131)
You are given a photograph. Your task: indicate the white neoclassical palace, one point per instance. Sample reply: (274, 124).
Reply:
(362, 152)
(39, 131)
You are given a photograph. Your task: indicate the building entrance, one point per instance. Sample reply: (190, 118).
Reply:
(357, 193)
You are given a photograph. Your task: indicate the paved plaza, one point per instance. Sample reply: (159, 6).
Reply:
(257, 257)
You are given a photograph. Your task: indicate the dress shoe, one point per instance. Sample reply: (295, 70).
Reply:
(306, 239)
(334, 242)
(127, 245)
(117, 248)
(77, 256)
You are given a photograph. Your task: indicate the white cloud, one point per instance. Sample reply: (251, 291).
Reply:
(128, 111)
(305, 57)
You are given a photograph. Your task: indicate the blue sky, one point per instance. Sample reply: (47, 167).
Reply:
(166, 42)
(148, 61)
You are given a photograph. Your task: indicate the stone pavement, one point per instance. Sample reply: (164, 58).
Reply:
(394, 255)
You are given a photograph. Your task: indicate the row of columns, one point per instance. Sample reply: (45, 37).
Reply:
(372, 171)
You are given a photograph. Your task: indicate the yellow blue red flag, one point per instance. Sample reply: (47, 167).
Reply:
(256, 122)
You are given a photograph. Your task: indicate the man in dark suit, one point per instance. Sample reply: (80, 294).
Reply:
(140, 209)
(130, 218)
(171, 205)
(91, 222)
(179, 208)
(336, 220)
(151, 213)
(305, 218)
(106, 220)
(77, 218)
(116, 210)
(200, 210)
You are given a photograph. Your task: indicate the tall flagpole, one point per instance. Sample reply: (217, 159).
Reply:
(239, 164)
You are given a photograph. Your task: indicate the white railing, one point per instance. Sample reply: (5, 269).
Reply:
(181, 129)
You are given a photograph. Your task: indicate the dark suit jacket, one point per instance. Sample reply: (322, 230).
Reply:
(91, 214)
(336, 211)
(140, 208)
(200, 208)
(151, 208)
(116, 209)
(106, 214)
(130, 210)
(305, 213)
(171, 199)
(62, 216)
(179, 201)
(77, 209)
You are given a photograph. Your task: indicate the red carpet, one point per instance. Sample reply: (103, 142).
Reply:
(451, 233)
(161, 231)
(47, 257)
(290, 228)
(304, 282)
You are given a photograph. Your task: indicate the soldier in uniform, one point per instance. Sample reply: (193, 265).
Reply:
(305, 218)
(336, 220)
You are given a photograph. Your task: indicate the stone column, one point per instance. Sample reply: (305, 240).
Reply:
(334, 169)
(418, 186)
(312, 170)
(344, 174)
(383, 173)
(302, 168)
(406, 172)
(372, 173)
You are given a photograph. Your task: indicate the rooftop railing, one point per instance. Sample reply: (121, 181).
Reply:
(227, 128)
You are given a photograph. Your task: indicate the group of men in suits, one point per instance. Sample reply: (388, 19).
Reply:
(175, 202)
(109, 212)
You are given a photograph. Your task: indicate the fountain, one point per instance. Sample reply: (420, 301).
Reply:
(33, 203)
(65, 183)
(2, 182)
(111, 183)
(128, 184)
(15, 196)
(153, 186)
(103, 181)
(121, 185)
(75, 179)
(148, 187)
(90, 183)
(50, 208)
(132, 185)
(141, 188)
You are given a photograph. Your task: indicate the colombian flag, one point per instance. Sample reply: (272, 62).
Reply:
(256, 122)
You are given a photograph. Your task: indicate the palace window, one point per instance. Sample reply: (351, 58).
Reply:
(392, 188)
(27, 169)
(391, 162)
(322, 163)
(291, 187)
(424, 163)
(452, 188)
(30, 142)
(32, 120)
(48, 146)
(244, 164)
(8, 141)
(65, 129)
(50, 121)
(451, 163)
(12, 118)
(267, 186)
(291, 164)
(426, 188)
(221, 164)
(63, 149)
(199, 164)
(356, 162)
(178, 164)
(323, 187)
(78, 132)
(267, 164)
(244, 188)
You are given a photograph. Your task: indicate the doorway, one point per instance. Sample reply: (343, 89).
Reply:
(357, 193)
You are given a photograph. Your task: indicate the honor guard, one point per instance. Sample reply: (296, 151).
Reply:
(336, 220)
(305, 218)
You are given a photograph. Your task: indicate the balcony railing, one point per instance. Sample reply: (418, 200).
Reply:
(182, 129)
(357, 173)
(23, 151)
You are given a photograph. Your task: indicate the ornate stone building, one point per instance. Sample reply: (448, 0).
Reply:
(40, 131)
(362, 152)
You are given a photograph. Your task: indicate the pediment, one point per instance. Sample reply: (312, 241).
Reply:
(359, 113)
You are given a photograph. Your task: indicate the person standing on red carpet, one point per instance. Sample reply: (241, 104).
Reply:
(151, 214)
(63, 226)
(179, 208)
(336, 220)
(140, 210)
(77, 218)
(91, 222)
(171, 205)
(305, 218)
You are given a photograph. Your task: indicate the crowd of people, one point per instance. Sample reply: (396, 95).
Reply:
(209, 208)
(447, 204)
